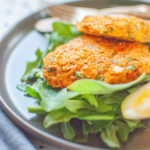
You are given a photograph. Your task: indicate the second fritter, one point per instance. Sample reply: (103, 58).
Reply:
(96, 58)
(118, 27)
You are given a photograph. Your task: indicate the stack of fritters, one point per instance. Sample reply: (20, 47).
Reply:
(101, 54)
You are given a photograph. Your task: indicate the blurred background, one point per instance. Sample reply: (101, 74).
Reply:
(12, 11)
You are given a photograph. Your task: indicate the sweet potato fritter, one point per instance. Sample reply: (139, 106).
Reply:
(97, 58)
(123, 28)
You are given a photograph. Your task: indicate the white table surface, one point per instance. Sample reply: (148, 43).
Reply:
(11, 11)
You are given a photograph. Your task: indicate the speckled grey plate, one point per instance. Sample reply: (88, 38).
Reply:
(18, 47)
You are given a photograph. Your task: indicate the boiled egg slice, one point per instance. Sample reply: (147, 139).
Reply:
(137, 104)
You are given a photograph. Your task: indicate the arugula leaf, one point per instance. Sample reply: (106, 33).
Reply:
(37, 110)
(81, 140)
(91, 99)
(32, 67)
(95, 126)
(54, 41)
(58, 116)
(72, 94)
(97, 116)
(103, 107)
(120, 128)
(123, 131)
(109, 137)
(133, 89)
(86, 129)
(111, 102)
(32, 92)
(51, 99)
(56, 101)
(68, 131)
(134, 124)
(98, 126)
(88, 86)
(21, 87)
(63, 32)
(74, 105)
(115, 98)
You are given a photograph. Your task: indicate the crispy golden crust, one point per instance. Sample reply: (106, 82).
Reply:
(96, 58)
(123, 28)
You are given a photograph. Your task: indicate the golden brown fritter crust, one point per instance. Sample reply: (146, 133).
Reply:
(123, 28)
(96, 58)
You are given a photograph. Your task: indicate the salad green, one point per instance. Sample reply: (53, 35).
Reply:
(94, 103)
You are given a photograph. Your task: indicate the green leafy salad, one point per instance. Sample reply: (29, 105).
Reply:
(95, 104)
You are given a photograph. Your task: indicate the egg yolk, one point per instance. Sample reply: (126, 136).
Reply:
(142, 104)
